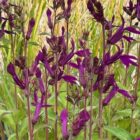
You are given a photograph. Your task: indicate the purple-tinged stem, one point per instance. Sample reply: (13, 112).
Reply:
(15, 88)
(85, 102)
(46, 109)
(67, 40)
(91, 109)
(56, 99)
(27, 93)
(100, 119)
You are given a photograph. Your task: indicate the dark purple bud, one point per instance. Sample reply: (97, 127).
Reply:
(64, 120)
(96, 9)
(30, 28)
(20, 62)
(11, 69)
(49, 13)
(11, 21)
(38, 73)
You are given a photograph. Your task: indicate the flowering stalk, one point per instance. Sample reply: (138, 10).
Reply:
(46, 109)
(27, 92)
(91, 109)
(56, 98)
(100, 91)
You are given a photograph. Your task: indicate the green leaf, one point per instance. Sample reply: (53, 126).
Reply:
(119, 133)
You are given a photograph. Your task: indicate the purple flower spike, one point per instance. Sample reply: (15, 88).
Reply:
(80, 122)
(49, 13)
(30, 28)
(64, 120)
(96, 9)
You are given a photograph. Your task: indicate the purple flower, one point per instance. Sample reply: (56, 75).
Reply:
(80, 122)
(83, 53)
(38, 58)
(65, 58)
(128, 59)
(114, 91)
(111, 59)
(30, 28)
(110, 82)
(111, 94)
(68, 10)
(69, 78)
(38, 103)
(64, 120)
(41, 85)
(11, 70)
(119, 34)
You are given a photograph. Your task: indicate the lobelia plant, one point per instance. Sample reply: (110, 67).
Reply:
(90, 73)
